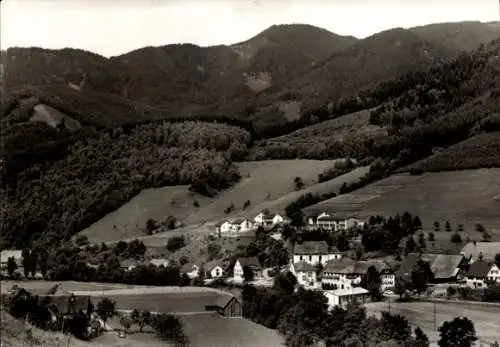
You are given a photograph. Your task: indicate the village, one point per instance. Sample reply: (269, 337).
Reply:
(340, 275)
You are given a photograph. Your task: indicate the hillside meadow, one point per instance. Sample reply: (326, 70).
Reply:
(265, 184)
(463, 197)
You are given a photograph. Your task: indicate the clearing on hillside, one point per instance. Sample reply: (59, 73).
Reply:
(481, 151)
(261, 182)
(486, 318)
(463, 197)
(129, 220)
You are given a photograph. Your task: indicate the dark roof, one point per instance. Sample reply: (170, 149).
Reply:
(349, 266)
(443, 266)
(312, 247)
(479, 269)
(251, 262)
(61, 301)
(302, 266)
(187, 268)
(222, 301)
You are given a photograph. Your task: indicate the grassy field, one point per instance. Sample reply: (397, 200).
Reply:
(130, 219)
(267, 184)
(462, 197)
(228, 332)
(486, 318)
(482, 151)
(41, 287)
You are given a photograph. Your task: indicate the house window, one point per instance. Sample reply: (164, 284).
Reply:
(319, 258)
(310, 258)
(300, 258)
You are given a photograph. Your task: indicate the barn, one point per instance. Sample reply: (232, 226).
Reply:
(226, 306)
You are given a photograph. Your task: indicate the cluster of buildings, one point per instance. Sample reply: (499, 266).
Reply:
(264, 219)
(326, 221)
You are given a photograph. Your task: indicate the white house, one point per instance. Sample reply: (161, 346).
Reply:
(17, 255)
(343, 297)
(388, 279)
(332, 223)
(216, 271)
(481, 273)
(245, 225)
(267, 219)
(252, 263)
(227, 227)
(159, 262)
(306, 274)
(191, 270)
(314, 252)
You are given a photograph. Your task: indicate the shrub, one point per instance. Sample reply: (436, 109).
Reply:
(456, 238)
(175, 243)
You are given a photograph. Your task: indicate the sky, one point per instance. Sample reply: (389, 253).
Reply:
(113, 27)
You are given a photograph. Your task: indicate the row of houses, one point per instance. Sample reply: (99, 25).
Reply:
(264, 219)
(326, 221)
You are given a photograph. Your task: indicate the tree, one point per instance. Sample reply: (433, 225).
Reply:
(125, 323)
(151, 225)
(372, 281)
(460, 228)
(480, 228)
(175, 243)
(299, 184)
(486, 236)
(417, 223)
(421, 340)
(421, 241)
(431, 237)
(458, 332)
(410, 245)
(106, 309)
(11, 266)
(497, 259)
(456, 238)
(400, 287)
(447, 226)
(420, 276)
(437, 227)
(248, 274)
(170, 328)
(171, 223)
(26, 261)
(213, 250)
(246, 204)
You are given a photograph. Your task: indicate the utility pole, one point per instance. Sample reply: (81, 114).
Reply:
(435, 316)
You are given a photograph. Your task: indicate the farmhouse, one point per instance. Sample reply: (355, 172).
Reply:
(191, 270)
(326, 221)
(474, 251)
(6, 254)
(236, 225)
(214, 270)
(344, 297)
(347, 273)
(306, 274)
(251, 263)
(266, 219)
(159, 262)
(314, 252)
(445, 267)
(481, 273)
(129, 264)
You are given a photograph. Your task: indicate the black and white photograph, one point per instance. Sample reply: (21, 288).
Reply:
(249, 173)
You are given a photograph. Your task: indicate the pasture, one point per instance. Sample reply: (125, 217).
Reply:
(41, 287)
(207, 330)
(266, 184)
(486, 318)
(129, 220)
(461, 197)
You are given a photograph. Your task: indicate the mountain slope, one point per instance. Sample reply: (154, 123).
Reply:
(461, 36)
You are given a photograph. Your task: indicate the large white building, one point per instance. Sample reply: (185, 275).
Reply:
(266, 219)
(344, 297)
(314, 252)
(325, 221)
(305, 274)
(481, 273)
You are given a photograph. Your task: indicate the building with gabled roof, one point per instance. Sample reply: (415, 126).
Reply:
(344, 297)
(314, 252)
(445, 267)
(305, 274)
(252, 263)
(481, 273)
